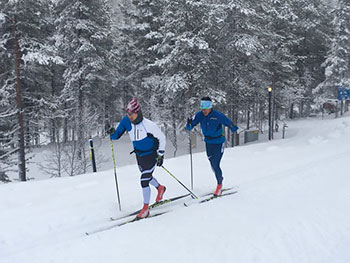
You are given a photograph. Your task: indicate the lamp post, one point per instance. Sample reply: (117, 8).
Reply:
(269, 89)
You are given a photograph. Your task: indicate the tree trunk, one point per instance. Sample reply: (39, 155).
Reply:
(19, 103)
(80, 128)
(301, 109)
(53, 131)
(37, 136)
(248, 120)
(174, 134)
(27, 142)
(291, 113)
(261, 115)
(65, 126)
(53, 122)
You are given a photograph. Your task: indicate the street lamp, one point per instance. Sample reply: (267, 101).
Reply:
(269, 89)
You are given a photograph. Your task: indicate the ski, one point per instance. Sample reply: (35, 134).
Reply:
(138, 219)
(223, 190)
(212, 197)
(205, 198)
(152, 206)
(208, 194)
(135, 219)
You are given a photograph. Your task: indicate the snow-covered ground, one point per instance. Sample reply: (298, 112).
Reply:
(293, 205)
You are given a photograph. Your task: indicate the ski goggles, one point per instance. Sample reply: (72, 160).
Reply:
(206, 104)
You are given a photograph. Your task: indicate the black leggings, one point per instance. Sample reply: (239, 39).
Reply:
(146, 164)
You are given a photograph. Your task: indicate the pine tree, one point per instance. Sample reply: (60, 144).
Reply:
(140, 34)
(23, 79)
(311, 31)
(84, 42)
(240, 50)
(337, 63)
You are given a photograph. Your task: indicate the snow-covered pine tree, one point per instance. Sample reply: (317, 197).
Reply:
(140, 34)
(337, 63)
(114, 92)
(278, 58)
(53, 115)
(23, 79)
(127, 59)
(7, 108)
(184, 60)
(240, 71)
(311, 30)
(84, 41)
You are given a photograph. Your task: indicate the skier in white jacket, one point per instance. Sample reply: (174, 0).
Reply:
(149, 146)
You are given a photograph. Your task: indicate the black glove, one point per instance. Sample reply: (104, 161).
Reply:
(160, 159)
(111, 130)
(189, 121)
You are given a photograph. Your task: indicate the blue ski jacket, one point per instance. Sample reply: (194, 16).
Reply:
(211, 126)
(146, 137)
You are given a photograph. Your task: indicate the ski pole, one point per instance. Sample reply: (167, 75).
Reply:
(115, 175)
(193, 195)
(190, 139)
(242, 130)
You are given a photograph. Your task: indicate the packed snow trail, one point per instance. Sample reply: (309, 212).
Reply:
(165, 206)
(293, 205)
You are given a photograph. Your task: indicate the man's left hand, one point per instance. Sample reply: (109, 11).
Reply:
(160, 159)
(234, 129)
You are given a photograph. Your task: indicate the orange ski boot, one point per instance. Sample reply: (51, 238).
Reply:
(161, 191)
(218, 190)
(144, 212)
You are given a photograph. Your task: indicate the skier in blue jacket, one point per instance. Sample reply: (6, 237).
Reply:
(149, 146)
(211, 122)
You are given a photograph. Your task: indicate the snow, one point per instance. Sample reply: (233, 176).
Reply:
(2, 18)
(293, 205)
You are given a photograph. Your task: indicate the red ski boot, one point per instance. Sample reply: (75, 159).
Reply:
(144, 212)
(161, 191)
(218, 190)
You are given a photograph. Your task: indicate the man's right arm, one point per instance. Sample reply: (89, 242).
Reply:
(192, 122)
(120, 129)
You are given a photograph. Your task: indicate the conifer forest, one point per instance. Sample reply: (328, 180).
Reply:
(69, 67)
